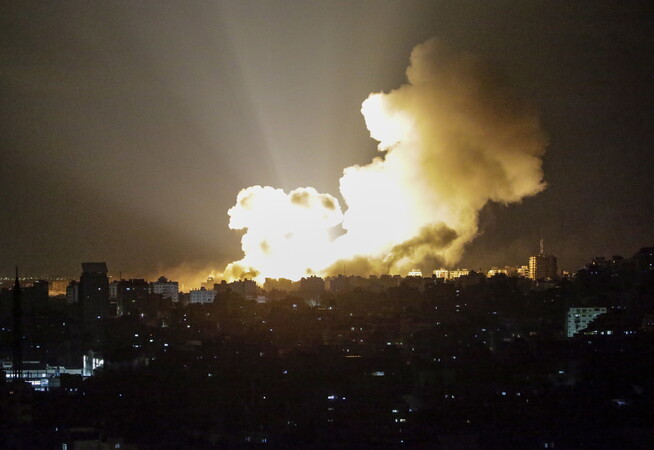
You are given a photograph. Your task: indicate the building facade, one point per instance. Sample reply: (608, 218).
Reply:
(167, 289)
(542, 267)
(93, 292)
(202, 295)
(580, 318)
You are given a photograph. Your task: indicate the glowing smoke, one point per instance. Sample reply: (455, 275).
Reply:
(453, 138)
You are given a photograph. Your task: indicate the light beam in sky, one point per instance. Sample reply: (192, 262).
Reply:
(451, 139)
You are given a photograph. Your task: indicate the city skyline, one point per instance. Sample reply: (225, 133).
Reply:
(540, 266)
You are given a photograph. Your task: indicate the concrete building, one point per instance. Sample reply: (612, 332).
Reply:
(509, 271)
(450, 274)
(542, 266)
(202, 295)
(131, 296)
(580, 318)
(312, 286)
(72, 292)
(246, 288)
(94, 292)
(167, 289)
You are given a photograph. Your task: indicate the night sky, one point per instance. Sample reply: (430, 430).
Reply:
(128, 128)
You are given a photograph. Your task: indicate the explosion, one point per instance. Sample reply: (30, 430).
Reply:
(451, 139)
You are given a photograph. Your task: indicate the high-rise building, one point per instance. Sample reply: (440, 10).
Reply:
(94, 292)
(542, 266)
(131, 296)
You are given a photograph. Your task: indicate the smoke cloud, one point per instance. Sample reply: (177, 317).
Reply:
(451, 139)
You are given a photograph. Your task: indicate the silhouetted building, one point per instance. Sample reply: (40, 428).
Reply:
(312, 286)
(246, 288)
(280, 284)
(644, 259)
(339, 284)
(35, 297)
(17, 330)
(94, 292)
(72, 292)
(131, 295)
(542, 266)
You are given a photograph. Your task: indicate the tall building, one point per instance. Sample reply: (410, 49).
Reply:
(542, 266)
(131, 296)
(93, 292)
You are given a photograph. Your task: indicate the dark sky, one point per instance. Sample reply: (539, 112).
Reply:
(128, 128)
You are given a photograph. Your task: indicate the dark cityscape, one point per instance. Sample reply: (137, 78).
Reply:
(326, 224)
(459, 359)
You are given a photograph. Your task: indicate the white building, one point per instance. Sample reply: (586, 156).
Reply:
(579, 318)
(442, 273)
(450, 274)
(168, 289)
(202, 295)
(415, 273)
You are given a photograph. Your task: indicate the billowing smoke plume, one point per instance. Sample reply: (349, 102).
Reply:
(453, 138)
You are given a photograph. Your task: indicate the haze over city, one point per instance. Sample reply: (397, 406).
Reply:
(129, 130)
(326, 224)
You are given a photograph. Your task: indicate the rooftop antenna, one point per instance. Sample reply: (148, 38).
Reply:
(542, 251)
